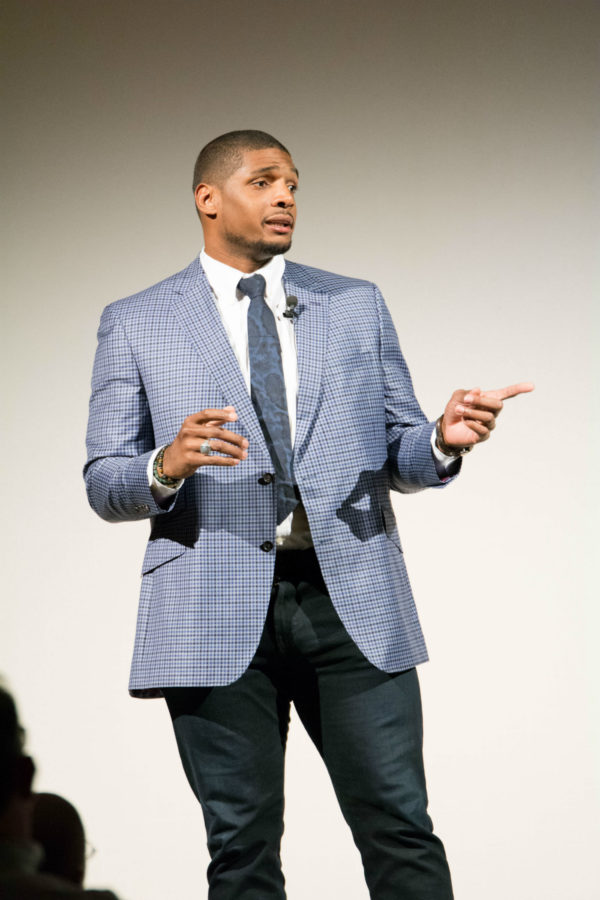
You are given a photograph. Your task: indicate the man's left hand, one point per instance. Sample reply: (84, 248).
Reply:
(470, 416)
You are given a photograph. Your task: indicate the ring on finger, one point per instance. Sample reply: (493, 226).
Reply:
(206, 449)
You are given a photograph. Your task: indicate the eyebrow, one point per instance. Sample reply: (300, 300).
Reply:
(266, 169)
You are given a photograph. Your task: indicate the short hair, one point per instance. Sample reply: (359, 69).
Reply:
(223, 155)
(57, 826)
(11, 745)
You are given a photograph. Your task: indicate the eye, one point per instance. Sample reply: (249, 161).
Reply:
(292, 188)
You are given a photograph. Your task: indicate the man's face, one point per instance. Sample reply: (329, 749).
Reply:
(255, 208)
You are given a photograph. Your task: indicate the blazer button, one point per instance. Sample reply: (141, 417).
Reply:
(266, 478)
(267, 546)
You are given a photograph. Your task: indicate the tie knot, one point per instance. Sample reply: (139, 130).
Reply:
(253, 287)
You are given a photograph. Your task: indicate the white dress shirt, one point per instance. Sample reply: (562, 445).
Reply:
(293, 532)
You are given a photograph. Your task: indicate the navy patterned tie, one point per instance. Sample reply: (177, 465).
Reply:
(267, 389)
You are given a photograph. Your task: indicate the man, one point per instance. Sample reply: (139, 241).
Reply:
(21, 857)
(259, 412)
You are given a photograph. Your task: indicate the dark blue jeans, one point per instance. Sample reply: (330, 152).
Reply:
(365, 723)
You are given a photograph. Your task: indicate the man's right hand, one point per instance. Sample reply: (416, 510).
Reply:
(183, 456)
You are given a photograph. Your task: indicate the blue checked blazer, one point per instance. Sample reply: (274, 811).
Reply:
(162, 355)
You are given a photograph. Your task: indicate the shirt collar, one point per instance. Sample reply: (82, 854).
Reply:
(224, 279)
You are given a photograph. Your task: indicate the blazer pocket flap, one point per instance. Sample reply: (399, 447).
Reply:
(390, 527)
(160, 551)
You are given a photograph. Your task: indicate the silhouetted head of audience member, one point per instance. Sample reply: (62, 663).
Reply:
(16, 774)
(59, 829)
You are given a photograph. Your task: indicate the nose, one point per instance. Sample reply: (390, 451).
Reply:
(283, 197)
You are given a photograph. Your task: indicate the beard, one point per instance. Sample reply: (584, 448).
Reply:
(258, 250)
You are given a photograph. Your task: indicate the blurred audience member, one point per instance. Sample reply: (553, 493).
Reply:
(20, 855)
(59, 829)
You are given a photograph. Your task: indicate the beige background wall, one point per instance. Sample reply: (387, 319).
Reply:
(447, 151)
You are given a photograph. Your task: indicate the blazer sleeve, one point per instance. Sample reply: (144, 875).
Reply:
(408, 432)
(120, 437)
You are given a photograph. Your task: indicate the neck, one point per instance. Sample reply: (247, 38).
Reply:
(237, 260)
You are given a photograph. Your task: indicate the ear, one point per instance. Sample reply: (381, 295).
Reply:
(207, 200)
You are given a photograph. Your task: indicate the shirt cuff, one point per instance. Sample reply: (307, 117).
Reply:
(160, 492)
(446, 466)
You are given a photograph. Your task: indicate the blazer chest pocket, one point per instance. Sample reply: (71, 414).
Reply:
(352, 361)
(159, 552)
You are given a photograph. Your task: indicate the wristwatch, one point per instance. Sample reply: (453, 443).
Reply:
(445, 448)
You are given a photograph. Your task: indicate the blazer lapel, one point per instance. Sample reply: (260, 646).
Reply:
(197, 312)
(312, 316)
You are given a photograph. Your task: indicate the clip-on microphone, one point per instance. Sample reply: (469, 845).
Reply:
(290, 307)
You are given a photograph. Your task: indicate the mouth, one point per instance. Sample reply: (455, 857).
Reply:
(280, 224)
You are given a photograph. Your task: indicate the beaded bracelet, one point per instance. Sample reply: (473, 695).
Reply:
(157, 471)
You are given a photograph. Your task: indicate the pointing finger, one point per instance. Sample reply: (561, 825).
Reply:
(512, 391)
